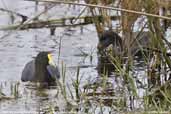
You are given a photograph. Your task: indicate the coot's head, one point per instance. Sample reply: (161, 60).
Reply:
(109, 38)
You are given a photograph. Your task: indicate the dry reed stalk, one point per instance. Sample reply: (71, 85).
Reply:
(128, 20)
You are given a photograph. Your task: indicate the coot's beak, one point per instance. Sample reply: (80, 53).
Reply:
(51, 62)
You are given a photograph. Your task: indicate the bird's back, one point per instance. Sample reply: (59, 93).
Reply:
(28, 72)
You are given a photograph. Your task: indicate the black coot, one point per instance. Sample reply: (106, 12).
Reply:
(42, 70)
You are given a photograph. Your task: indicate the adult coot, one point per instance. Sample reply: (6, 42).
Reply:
(140, 40)
(42, 70)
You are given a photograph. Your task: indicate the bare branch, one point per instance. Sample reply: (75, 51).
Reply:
(104, 7)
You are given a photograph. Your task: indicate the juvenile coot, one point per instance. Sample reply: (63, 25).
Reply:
(41, 70)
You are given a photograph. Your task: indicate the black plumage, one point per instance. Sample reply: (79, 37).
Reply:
(40, 70)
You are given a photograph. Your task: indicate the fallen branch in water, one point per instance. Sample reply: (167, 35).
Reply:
(63, 22)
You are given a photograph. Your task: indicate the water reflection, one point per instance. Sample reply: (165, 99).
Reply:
(30, 98)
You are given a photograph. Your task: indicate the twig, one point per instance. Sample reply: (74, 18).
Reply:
(24, 18)
(79, 15)
(104, 7)
(22, 24)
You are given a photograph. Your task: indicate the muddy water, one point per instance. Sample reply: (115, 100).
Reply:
(19, 47)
